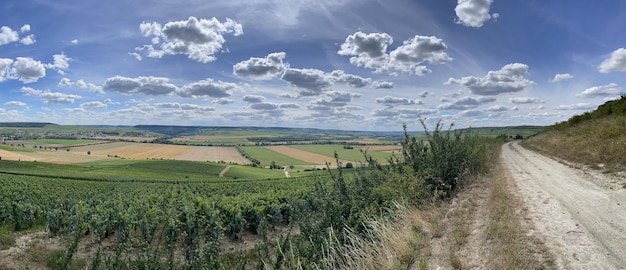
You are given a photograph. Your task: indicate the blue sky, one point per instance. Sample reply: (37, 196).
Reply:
(341, 64)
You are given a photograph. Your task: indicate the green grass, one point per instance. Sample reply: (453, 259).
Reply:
(64, 142)
(237, 171)
(8, 147)
(266, 156)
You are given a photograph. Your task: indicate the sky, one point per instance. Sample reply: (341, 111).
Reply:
(369, 65)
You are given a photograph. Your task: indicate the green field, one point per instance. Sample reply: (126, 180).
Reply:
(266, 156)
(64, 142)
(347, 154)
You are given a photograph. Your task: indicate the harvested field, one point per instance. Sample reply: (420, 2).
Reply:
(165, 151)
(129, 150)
(305, 155)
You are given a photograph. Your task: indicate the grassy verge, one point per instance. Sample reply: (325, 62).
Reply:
(511, 247)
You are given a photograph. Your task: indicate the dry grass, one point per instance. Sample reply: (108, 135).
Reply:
(399, 243)
(594, 142)
(510, 245)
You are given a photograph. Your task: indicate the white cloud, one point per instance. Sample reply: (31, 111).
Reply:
(577, 106)
(223, 101)
(465, 103)
(264, 106)
(261, 68)
(61, 63)
(473, 13)
(350, 79)
(335, 99)
(309, 82)
(15, 104)
(370, 51)
(496, 108)
(27, 70)
(5, 65)
(199, 39)
(153, 86)
(615, 63)
(7, 35)
(74, 41)
(382, 85)
(611, 89)
(525, 100)
(93, 105)
(28, 40)
(471, 113)
(253, 99)
(25, 28)
(509, 78)
(65, 82)
(562, 77)
(289, 106)
(136, 55)
(50, 97)
(207, 88)
(392, 101)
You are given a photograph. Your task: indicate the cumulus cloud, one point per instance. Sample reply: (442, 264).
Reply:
(168, 105)
(196, 108)
(5, 65)
(264, 106)
(333, 99)
(93, 105)
(496, 108)
(510, 78)
(261, 68)
(15, 104)
(382, 85)
(393, 101)
(577, 106)
(152, 86)
(51, 97)
(253, 99)
(207, 88)
(28, 40)
(474, 13)
(309, 82)
(199, 39)
(61, 63)
(350, 79)
(370, 51)
(26, 69)
(525, 100)
(465, 103)
(562, 77)
(65, 82)
(611, 89)
(615, 63)
(223, 101)
(413, 113)
(7, 35)
(289, 106)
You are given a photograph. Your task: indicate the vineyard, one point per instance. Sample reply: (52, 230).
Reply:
(165, 214)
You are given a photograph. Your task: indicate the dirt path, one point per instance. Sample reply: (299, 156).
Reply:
(223, 172)
(580, 214)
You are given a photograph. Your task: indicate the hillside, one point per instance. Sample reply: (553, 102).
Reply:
(596, 138)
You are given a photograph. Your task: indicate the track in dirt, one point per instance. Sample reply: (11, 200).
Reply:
(580, 214)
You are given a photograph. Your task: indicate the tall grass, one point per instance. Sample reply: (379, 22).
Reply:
(594, 138)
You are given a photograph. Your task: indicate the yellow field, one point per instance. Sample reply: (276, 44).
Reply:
(165, 151)
(132, 151)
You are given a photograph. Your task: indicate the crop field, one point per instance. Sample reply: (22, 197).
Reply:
(266, 156)
(380, 152)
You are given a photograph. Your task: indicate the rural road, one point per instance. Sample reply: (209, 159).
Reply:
(580, 214)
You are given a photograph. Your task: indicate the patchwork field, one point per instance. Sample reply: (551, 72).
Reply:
(129, 150)
(164, 151)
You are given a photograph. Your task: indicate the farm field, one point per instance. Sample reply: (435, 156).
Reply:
(378, 152)
(130, 150)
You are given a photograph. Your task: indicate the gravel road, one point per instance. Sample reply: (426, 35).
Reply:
(581, 214)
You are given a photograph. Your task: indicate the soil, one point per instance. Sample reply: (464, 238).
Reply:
(580, 213)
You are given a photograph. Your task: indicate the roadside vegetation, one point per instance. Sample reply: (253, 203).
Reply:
(597, 138)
